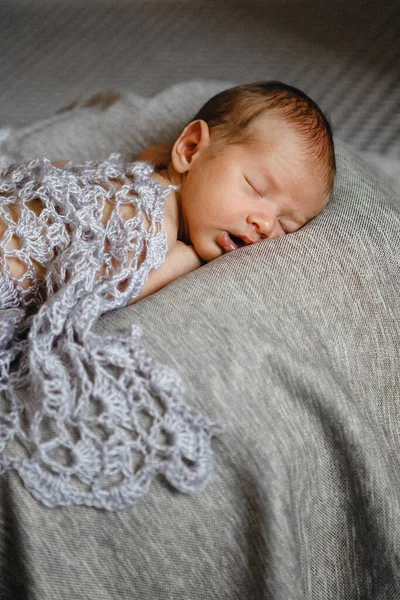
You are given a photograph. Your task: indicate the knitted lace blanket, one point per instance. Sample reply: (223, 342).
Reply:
(87, 418)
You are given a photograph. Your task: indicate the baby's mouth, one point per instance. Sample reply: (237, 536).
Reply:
(229, 242)
(237, 240)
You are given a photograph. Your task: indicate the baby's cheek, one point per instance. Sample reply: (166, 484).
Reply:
(277, 231)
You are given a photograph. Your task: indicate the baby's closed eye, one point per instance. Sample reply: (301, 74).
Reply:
(252, 186)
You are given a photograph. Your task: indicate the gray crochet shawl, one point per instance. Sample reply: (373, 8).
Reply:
(87, 418)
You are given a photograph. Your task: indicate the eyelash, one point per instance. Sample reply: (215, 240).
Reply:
(252, 186)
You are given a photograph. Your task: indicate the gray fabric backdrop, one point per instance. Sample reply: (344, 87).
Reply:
(345, 54)
(293, 344)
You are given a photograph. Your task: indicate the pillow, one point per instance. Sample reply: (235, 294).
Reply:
(293, 344)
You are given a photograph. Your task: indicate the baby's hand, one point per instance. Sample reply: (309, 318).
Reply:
(159, 155)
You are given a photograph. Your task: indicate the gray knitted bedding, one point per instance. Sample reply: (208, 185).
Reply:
(293, 344)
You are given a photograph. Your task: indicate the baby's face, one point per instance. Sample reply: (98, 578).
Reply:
(247, 193)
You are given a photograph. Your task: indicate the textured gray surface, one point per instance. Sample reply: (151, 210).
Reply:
(293, 344)
(304, 503)
(344, 54)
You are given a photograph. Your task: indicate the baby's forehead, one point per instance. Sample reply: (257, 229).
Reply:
(269, 137)
(274, 135)
(270, 124)
(264, 142)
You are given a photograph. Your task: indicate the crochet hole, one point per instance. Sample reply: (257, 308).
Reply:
(36, 205)
(189, 463)
(73, 432)
(15, 242)
(165, 438)
(123, 285)
(145, 419)
(48, 429)
(93, 408)
(14, 211)
(107, 210)
(88, 235)
(61, 455)
(127, 211)
(18, 269)
(17, 448)
(119, 373)
(142, 255)
(137, 458)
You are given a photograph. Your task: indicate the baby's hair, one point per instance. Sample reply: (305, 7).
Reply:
(229, 113)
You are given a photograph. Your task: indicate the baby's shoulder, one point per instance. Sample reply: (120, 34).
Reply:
(156, 175)
(171, 211)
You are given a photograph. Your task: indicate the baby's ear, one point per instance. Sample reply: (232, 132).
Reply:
(193, 140)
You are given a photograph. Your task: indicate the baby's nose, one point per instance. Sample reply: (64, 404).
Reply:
(264, 227)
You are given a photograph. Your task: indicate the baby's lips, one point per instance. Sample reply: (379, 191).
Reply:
(226, 242)
(248, 240)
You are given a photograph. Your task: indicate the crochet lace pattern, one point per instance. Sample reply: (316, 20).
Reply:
(87, 418)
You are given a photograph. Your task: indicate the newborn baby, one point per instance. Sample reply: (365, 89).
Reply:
(256, 162)
(77, 241)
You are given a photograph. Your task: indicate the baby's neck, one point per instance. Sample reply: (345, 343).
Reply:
(171, 175)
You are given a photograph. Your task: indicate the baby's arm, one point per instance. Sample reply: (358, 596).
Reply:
(180, 260)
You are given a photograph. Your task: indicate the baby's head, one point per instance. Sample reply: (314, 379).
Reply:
(257, 161)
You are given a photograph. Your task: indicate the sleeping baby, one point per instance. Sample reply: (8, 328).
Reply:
(77, 241)
(256, 162)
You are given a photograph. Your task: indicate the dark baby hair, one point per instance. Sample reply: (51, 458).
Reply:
(229, 113)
